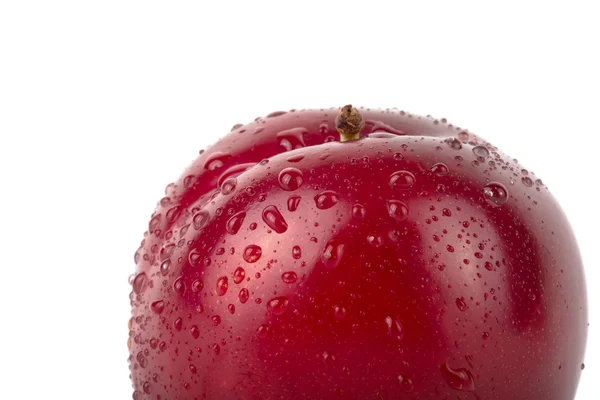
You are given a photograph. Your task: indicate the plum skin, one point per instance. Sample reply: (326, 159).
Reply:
(392, 266)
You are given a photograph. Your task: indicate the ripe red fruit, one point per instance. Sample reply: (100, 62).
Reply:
(418, 262)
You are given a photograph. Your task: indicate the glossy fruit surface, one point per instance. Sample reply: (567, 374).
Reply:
(418, 262)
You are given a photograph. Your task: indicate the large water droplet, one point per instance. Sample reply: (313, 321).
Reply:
(216, 160)
(179, 286)
(274, 219)
(295, 158)
(380, 126)
(461, 303)
(359, 211)
(262, 331)
(481, 151)
(278, 305)
(289, 277)
(157, 306)
(228, 186)
(173, 214)
(326, 199)
(339, 312)
(235, 222)
(527, 181)
(195, 331)
(292, 138)
(296, 252)
(154, 222)
(222, 285)
(233, 172)
(200, 219)
(406, 383)
(138, 283)
(458, 379)
(397, 209)
(252, 253)
(439, 169)
(332, 254)
(495, 194)
(290, 179)
(244, 295)
(292, 203)
(401, 180)
(239, 274)
(394, 328)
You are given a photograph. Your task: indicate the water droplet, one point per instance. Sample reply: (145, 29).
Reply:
(216, 160)
(382, 135)
(495, 194)
(450, 249)
(276, 114)
(252, 253)
(235, 222)
(461, 303)
(262, 331)
(401, 180)
(398, 156)
(179, 286)
(195, 331)
(244, 295)
(394, 328)
(446, 212)
(375, 241)
(292, 138)
(488, 265)
(397, 209)
(292, 203)
(173, 214)
(200, 219)
(339, 312)
(222, 285)
(193, 370)
(233, 172)
(274, 219)
(406, 383)
(527, 181)
(289, 277)
(332, 254)
(197, 285)
(358, 211)
(228, 186)
(238, 275)
(290, 179)
(157, 306)
(138, 283)
(458, 379)
(154, 223)
(216, 319)
(485, 335)
(439, 169)
(296, 252)
(278, 305)
(295, 158)
(326, 199)
(383, 127)
(481, 151)
(178, 324)
(147, 387)
(453, 143)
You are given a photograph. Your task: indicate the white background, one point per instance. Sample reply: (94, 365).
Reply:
(103, 103)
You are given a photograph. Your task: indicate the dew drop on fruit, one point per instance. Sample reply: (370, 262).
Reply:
(339, 312)
(178, 324)
(375, 240)
(289, 277)
(527, 181)
(222, 285)
(292, 138)
(200, 219)
(292, 203)
(228, 186)
(461, 303)
(238, 275)
(382, 135)
(243, 295)
(359, 211)
(235, 222)
(197, 285)
(332, 254)
(278, 305)
(216, 160)
(262, 331)
(326, 199)
(252, 253)
(481, 151)
(147, 387)
(195, 332)
(406, 383)
(179, 286)
(394, 328)
(290, 179)
(401, 180)
(157, 306)
(233, 172)
(154, 222)
(458, 379)
(397, 210)
(453, 143)
(138, 283)
(216, 319)
(439, 169)
(295, 158)
(274, 219)
(495, 194)
(296, 252)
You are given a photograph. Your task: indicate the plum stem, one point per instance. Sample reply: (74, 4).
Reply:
(349, 123)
